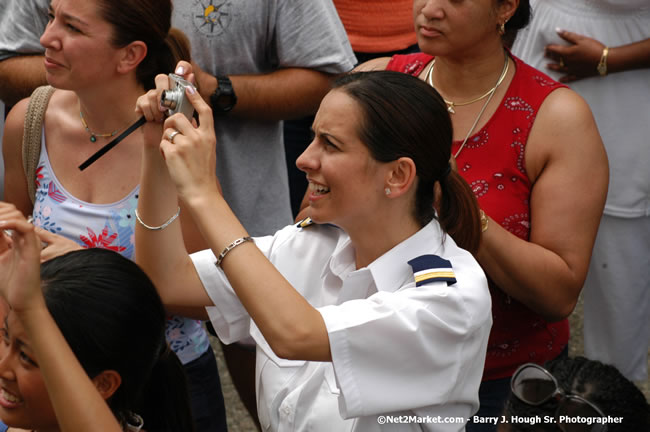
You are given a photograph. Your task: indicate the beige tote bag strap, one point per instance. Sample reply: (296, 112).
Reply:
(32, 133)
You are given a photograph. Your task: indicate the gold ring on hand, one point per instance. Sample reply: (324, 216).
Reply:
(561, 62)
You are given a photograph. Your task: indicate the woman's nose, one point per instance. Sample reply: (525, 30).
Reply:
(308, 160)
(432, 9)
(49, 38)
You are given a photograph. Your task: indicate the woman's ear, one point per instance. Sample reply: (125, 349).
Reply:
(507, 9)
(132, 55)
(107, 382)
(400, 177)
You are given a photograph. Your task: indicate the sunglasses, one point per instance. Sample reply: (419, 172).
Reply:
(534, 385)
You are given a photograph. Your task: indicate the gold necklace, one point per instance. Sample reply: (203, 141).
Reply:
(478, 117)
(452, 104)
(487, 102)
(93, 135)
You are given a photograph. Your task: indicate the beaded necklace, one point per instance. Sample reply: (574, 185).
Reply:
(93, 135)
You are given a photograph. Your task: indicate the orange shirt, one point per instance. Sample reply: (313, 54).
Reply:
(377, 25)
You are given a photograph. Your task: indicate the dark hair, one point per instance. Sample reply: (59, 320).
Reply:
(113, 319)
(517, 21)
(148, 21)
(405, 117)
(601, 384)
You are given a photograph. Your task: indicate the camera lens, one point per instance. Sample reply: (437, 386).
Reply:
(169, 99)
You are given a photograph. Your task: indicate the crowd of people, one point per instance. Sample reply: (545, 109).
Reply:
(471, 168)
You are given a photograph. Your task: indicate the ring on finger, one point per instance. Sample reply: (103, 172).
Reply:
(561, 62)
(172, 135)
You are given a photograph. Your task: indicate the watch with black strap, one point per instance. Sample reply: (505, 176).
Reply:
(223, 99)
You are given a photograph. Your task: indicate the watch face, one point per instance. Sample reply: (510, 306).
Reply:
(224, 103)
(223, 99)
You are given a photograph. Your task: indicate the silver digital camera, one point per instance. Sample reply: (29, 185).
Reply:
(175, 99)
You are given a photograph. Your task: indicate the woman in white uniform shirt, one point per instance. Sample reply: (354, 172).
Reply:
(369, 310)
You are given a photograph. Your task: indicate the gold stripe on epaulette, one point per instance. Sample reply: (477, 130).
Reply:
(305, 222)
(435, 275)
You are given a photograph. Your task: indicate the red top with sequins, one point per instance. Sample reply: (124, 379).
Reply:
(492, 162)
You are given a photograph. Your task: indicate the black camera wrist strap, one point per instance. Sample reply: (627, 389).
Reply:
(99, 153)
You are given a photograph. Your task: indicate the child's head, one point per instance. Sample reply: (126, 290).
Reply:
(594, 391)
(111, 316)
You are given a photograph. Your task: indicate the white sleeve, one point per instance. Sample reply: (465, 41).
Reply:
(412, 348)
(228, 316)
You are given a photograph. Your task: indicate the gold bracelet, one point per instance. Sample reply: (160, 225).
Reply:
(160, 227)
(602, 64)
(484, 221)
(230, 247)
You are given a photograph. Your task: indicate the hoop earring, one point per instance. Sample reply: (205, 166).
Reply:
(502, 27)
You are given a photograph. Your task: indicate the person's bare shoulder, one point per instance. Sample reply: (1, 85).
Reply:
(15, 121)
(373, 65)
(565, 130)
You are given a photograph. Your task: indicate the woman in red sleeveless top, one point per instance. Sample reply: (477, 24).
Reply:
(529, 148)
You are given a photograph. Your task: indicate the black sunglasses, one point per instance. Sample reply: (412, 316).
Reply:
(534, 385)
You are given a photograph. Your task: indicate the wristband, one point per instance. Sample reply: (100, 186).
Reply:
(230, 247)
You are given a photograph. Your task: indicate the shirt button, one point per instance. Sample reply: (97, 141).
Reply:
(286, 410)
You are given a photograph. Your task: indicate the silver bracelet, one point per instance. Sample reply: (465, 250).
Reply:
(230, 247)
(157, 228)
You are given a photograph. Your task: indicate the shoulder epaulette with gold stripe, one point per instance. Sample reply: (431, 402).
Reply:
(432, 268)
(305, 223)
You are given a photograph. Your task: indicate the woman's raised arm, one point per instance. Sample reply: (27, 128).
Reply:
(162, 252)
(184, 164)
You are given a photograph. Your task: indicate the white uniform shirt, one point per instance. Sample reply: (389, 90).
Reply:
(397, 349)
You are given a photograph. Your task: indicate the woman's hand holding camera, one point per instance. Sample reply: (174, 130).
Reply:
(149, 106)
(189, 149)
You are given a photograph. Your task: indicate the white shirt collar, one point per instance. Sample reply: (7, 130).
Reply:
(391, 270)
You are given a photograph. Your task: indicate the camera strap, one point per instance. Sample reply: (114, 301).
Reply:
(99, 153)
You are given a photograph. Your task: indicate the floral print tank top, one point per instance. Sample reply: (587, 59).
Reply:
(107, 226)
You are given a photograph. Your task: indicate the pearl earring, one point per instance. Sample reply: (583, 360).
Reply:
(387, 190)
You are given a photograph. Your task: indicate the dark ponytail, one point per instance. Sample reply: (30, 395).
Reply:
(148, 21)
(164, 407)
(110, 314)
(459, 212)
(405, 117)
